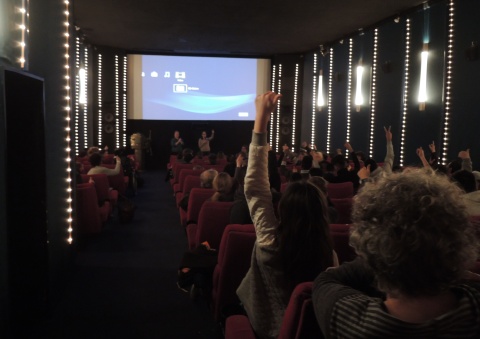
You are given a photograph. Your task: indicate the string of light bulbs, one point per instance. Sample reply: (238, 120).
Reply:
(405, 90)
(330, 96)
(295, 91)
(314, 97)
(373, 97)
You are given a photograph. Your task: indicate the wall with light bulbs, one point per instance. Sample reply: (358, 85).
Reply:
(391, 57)
(35, 38)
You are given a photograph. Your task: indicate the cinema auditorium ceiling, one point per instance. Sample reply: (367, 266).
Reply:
(226, 27)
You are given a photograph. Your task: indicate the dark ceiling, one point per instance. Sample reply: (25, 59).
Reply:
(222, 27)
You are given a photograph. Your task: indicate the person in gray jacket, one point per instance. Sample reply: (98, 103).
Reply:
(287, 251)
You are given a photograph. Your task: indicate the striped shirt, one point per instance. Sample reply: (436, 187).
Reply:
(345, 312)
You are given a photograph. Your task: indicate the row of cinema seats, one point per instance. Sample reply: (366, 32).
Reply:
(108, 161)
(341, 195)
(208, 221)
(96, 201)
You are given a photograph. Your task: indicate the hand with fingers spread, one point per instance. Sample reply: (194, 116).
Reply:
(464, 154)
(388, 133)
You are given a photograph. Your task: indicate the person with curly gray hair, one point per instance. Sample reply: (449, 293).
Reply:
(414, 244)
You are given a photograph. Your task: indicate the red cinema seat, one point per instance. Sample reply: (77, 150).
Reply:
(178, 187)
(340, 190)
(191, 182)
(214, 216)
(176, 172)
(234, 257)
(89, 214)
(195, 201)
(102, 185)
(344, 209)
(299, 321)
(117, 182)
(341, 242)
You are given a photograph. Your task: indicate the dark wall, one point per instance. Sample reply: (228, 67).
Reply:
(422, 127)
(465, 113)
(229, 136)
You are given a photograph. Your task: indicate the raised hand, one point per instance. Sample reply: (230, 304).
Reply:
(432, 147)
(364, 172)
(348, 146)
(239, 160)
(464, 154)
(388, 133)
(265, 104)
(420, 153)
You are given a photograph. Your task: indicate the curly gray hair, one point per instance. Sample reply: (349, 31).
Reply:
(413, 231)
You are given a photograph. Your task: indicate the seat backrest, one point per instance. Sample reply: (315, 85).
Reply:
(184, 173)
(191, 182)
(214, 216)
(341, 242)
(88, 213)
(234, 256)
(108, 158)
(117, 182)
(173, 158)
(340, 190)
(178, 168)
(102, 185)
(344, 210)
(299, 321)
(195, 201)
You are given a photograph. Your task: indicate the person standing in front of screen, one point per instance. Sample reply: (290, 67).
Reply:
(176, 143)
(204, 142)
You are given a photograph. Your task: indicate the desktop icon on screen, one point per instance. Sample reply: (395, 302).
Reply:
(180, 88)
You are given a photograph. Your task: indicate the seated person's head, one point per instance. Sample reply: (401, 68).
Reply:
(412, 229)
(212, 158)
(361, 157)
(372, 163)
(222, 183)
(187, 155)
(320, 183)
(92, 150)
(326, 166)
(465, 180)
(220, 155)
(206, 178)
(455, 165)
(307, 162)
(338, 162)
(304, 240)
(295, 176)
(95, 159)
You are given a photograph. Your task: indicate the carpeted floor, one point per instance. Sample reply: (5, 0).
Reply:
(124, 280)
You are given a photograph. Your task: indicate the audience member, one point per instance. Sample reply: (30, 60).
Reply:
(286, 252)
(224, 186)
(96, 159)
(413, 237)
(206, 181)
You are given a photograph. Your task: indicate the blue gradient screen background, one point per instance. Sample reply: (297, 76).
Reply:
(198, 88)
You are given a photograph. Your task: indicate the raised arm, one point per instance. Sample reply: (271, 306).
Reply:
(211, 135)
(421, 155)
(257, 186)
(388, 161)
(466, 160)
(353, 156)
